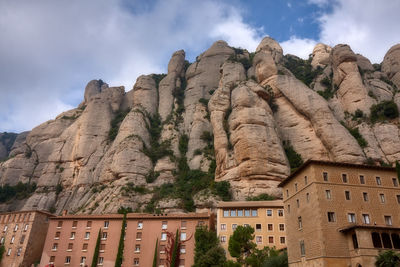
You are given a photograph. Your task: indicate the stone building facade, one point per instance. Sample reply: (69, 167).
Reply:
(71, 239)
(340, 214)
(23, 234)
(266, 217)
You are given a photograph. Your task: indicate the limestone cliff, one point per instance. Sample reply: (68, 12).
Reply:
(234, 116)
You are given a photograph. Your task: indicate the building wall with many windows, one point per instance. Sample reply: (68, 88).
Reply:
(333, 210)
(71, 239)
(266, 217)
(23, 234)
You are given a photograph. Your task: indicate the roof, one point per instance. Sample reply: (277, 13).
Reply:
(29, 211)
(333, 163)
(134, 216)
(374, 227)
(251, 204)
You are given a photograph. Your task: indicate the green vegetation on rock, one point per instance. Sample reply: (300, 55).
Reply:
(294, 158)
(302, 69)
(384, 110)
(18, 191)
(115, 123)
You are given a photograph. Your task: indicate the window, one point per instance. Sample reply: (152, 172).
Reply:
(101, 260)
(325, 176)
(282, 240)
(223, 227)
(344, 178)
(106, 224)
(83, 260)
(246, 225)
(183, 224)
(281, 227)
(355, 241)
(288, 208)
(68, 259)
(386, 240)
(254, 213)
(382, 198)
(9, 252)
(139, 225)
(398, 199)
(269, 213)
(362, 179)
(247, 213)
(70, 246)
(137, 248)
(136, 261)
(258, 226)
(162, 262)
(164, 225)
(162, 249)
(328, 194)
(366, 219)
(183, 249)
(72, 236)
(240, 213)
(280, 213)
(163, 236)
(85, 247)
(388, 220)
(183, 236)
(5, 228)
(104, 235)
(351, 217)
(347, 195)
(102, 247)
(12, 240)
(259, 239)
(305, 180)
(287, 193)
(87, 235)
(52, 259)
(226, 213)
(233, 213)
(378, 181)
(223, 238)
(181, 262)
(396, 241)
(2, 240)
(55, 247)
(331, 217)
(139, 236)
(300, 223)
(89, 224)
(16, 228)
(271, 239)
(200, 223)
(234, 226)
(59, 224)
(365, 196)
(74, 224)
(26, 227)
(270, 227)
(308, 197)
(57, 235)
(302, 248)
(295, 187)
(19, 250)
(298, 203)
(395, 182)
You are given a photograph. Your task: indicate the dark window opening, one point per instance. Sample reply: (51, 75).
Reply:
(376, 240)
(396, 241)
(355, 241)
(386, 240)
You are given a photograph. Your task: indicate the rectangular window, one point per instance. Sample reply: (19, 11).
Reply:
(2, 240)
(83, 260)
(246, 225)
(287, 193)
(234, 226)
(139, 236)
(181, 262)
(164, 225)
(270, 227)
(106, 224)
(74, 224)
(259, 239)
(280, 213)
(19, 250)
(288, 208)
(183, 236)
(183, 224)
(163, 236)
(347, 195)
(247, 213)
(295, 187)
(344, 178)
(102, 247)
(382, 198)
(162, 249)
(300, 222)
(89, 224)
(308, 197)
(85, 246)
(87, 235)
(328, 194)
(271, 239)
(281, 227)
(298, 203)
(365, 196)
(366, 219)
(305, 180)
(101, 260)
(57, 236)
(183, 249)
(226, 213)
(140, 225)
(52, 259)
(240, 213)
(282, 240)
(395, 182)
(302, 248)
(136, 262)
(55, 247)
(398, 199)
(137, 248)
(362, 179)
(351, 217)
(72, 236)
(70, 246)
(223, 238)
(331, 217)
(355, 241)
(378, 181)
(16, 228)
(9, 252)
(233, 213)
(388, 220)
(59, 224)
(325, 176)
(269, 213)
(5, 228)
(68, 259)
(12, 240)
(223, 227)
(26, 227)
(104, 235)
(254, 213)
(258, 226)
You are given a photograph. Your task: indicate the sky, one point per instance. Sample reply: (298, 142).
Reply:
(50, 50)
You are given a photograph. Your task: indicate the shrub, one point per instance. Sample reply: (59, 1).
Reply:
(18, 191)
(59, 188)
(356, 134)
(157, 78)
(384, 110)
(115, 123)
(206, 137)
(294, 158)
(204, 101)
(223, 189)
(151, 176)
(302, 69)
(261, 197)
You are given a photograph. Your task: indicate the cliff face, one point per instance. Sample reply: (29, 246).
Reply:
(230, 116)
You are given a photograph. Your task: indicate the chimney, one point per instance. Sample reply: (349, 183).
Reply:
(64, 213)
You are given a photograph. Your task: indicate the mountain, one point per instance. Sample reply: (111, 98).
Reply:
(230, 122)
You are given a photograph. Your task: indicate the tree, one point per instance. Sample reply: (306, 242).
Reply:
(175, 251)
(96, 250)
(214, 257)
(276, 259)
(398, 170)
(388, 258)
(118, 260)
(207, 251)
(155, 254)
(258, 257)
(241, 244)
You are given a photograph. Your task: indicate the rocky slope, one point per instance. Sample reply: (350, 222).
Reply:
(246, 118)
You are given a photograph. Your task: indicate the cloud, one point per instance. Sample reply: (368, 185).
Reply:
(51, 49)
(299, 47)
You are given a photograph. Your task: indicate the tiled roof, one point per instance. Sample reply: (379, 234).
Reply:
(134, 216)
(28, 211)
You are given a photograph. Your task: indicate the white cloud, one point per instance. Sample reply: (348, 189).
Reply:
(299, 47)
(51, 49)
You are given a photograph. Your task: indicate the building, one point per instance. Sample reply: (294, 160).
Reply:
(340, 214)
(71, 239)
(23, 234)
(266, 217)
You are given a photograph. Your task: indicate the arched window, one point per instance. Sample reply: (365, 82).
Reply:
(396, 241)
(376, 240)
(386, 240)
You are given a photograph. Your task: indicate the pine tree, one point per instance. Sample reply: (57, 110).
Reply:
(118, 260)
(96, 251)
(155, 254)
(175, 252)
